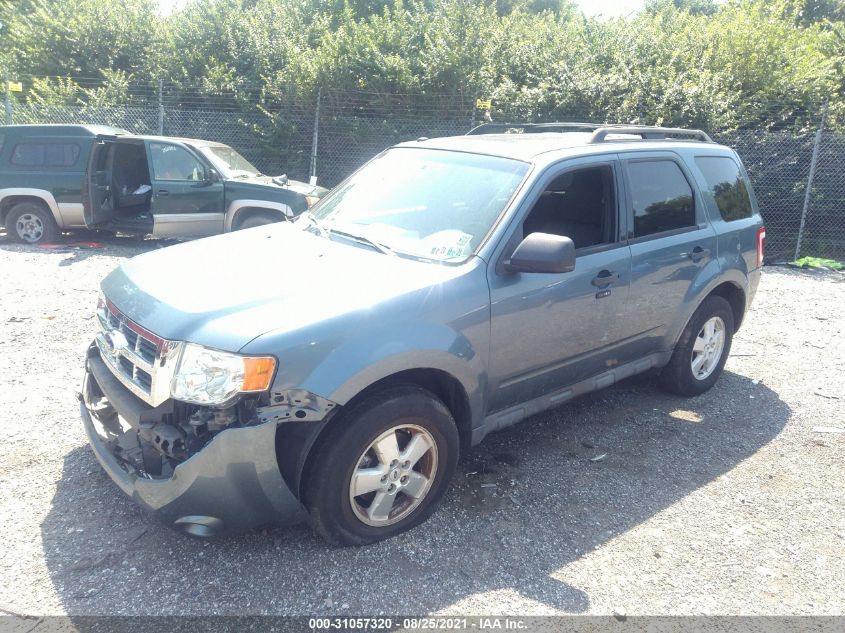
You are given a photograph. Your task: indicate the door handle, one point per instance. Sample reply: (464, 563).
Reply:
(605, 278)
(163, 192)
(698, 253)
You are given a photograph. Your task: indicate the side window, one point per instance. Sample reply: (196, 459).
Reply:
(661, 196)
(2, 141)
(727, 185)
(580, 204)
(171, 162)
(41, 154)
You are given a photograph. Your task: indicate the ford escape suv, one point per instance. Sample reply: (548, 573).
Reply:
(57, 178)
(447, 289)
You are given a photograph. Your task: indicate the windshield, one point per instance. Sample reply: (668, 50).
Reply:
(428, 203)
(228, 162)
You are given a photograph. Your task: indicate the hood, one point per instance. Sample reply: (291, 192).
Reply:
(226, 290)
(296, 186)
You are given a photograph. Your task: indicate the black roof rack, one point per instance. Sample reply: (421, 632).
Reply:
(600, 130)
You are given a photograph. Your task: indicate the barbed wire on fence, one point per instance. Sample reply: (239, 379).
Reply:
(277, 134)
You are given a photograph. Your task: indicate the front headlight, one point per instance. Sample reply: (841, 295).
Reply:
(208, 376)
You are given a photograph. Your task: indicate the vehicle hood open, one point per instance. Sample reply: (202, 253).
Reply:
(226, 290)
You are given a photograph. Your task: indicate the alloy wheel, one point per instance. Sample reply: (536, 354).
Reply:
(393, 475)
(708, 347)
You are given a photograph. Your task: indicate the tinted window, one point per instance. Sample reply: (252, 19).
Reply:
(40, 154)
(171, 162)
(662, 197)
(727, 186)
(2, 140)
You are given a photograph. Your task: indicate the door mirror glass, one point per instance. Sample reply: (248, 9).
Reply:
(212, 176)
(543, 253)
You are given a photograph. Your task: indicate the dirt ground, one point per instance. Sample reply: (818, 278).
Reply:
(729, 503)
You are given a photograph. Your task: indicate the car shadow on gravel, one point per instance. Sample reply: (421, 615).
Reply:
(524, 504)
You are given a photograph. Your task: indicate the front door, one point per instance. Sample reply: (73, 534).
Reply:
(97, 195)
(186, 201)
(549, 331)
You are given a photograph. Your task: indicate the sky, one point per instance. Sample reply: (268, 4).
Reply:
(607, 8)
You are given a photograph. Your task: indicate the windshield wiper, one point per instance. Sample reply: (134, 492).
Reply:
(386, 250)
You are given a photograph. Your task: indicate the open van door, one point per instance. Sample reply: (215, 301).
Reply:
(97, 195)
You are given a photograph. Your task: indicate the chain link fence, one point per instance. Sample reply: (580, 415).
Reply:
(331, 135)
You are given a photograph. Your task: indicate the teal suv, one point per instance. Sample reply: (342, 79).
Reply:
(449, 288)
(56, 178)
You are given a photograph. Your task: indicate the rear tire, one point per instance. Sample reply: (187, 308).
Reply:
(31, 223)
(257, 219)
(702, 350)
(398, 450)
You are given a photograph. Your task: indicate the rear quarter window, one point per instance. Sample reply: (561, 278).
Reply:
(725, 182)
(45, 154)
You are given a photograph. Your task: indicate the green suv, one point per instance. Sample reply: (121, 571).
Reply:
(57, 178)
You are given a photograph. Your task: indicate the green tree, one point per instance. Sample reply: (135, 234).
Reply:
(80, 37)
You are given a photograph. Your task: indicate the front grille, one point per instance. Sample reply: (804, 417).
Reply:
(142, 361)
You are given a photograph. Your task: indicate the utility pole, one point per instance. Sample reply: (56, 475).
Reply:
(161, 107)
(8, 94)
(813, 162)
(313, 179)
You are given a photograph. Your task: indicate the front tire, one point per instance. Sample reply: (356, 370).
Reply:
(383, 467)
(702, 350)
(31, 223)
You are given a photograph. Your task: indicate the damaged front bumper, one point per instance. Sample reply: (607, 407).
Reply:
(232, 483)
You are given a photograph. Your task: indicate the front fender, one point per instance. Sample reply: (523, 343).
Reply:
(236, 206)
(361, 362)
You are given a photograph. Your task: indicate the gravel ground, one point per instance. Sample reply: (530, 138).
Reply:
(728, 503)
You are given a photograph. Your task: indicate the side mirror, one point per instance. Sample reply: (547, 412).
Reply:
(543, 253)
(212, 176)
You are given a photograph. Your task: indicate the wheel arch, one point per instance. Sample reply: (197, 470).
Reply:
(735, 296)
(240, 209)
(292, 446)
(729, 289)
(10, 197)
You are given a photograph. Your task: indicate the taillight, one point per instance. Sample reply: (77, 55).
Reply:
(761, 245)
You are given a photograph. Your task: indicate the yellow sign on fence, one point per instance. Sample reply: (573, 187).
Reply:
(15, 86)
(483, 104)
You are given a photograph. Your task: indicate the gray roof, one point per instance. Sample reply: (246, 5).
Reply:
(528, 147)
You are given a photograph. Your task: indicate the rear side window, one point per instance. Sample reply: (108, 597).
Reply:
(727, 186)
(2, 140)
(45, 154)
(661, 197)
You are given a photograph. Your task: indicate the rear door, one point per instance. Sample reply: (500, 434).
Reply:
(97, 195)
(671, 243)
(186, 200)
